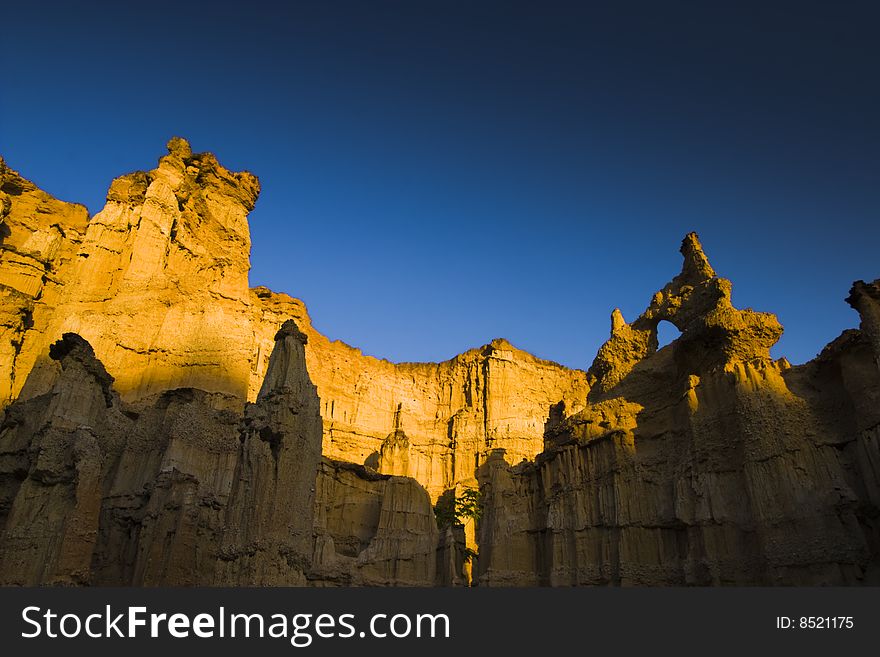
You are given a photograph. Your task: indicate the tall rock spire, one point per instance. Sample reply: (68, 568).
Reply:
(269, 522)
(865, 298)
(287, 364)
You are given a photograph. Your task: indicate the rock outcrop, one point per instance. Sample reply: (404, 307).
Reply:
(39, 237)
(157, 283)
(697, 303)
(52, 453)
(268, 532)
(181, 490)
(704, 463)
(865, 298)
(164, 424)
(372, 529)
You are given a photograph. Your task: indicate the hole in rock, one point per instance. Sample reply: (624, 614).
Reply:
(666, 333)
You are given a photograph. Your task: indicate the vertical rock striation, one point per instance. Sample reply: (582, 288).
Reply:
(180, 490)
(53, 453)
(372, 529)
(705, 462)
(268, 533)
(157, 283)
(39, 239)
(174, 435)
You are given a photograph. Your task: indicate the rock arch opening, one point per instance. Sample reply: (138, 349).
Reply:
(666, 333)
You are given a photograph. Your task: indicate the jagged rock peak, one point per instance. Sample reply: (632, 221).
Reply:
(617, 321)
(169, 250)
(188, 174)
(698, 303)
(74, 348)
(289, 327)
(75, 354)
(862, 289)
(180, 147)
(287, 369)
(12, 182)
(696, 265)
(865, 298)
(68, 344)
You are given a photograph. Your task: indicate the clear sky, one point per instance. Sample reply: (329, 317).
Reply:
(437, 174)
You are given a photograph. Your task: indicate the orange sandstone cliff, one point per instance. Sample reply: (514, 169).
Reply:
(165, 424)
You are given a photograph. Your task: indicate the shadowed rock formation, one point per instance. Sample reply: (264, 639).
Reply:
(51, 481)
(179, 490)
(865, 298)
(706, 462)
(175, 435)
(372, 529)
(268, 530)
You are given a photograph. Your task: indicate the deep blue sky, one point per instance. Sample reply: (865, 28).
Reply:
(436, 174)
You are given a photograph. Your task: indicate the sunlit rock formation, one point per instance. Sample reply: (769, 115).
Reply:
(156, 281)
(706, 462)
(165, 424)
(39, 235)
(697, 303)
(157, 284)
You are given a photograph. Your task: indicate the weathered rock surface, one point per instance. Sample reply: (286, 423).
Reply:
(39, 237)
(156, 281)
(181, 490)
(372, 529)
(865, 298)
(705, 462)
(175, 435)
(52, 465)
(268, 532)
(157, 284)
(450, 413)
(697, 303)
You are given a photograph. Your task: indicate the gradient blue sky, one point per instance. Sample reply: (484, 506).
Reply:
(436, 174)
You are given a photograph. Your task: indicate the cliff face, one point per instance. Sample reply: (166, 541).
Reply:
(157, 284)
(165, 424)
(156, 281)
(180, 490)
(39, 236)
(705, 462)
